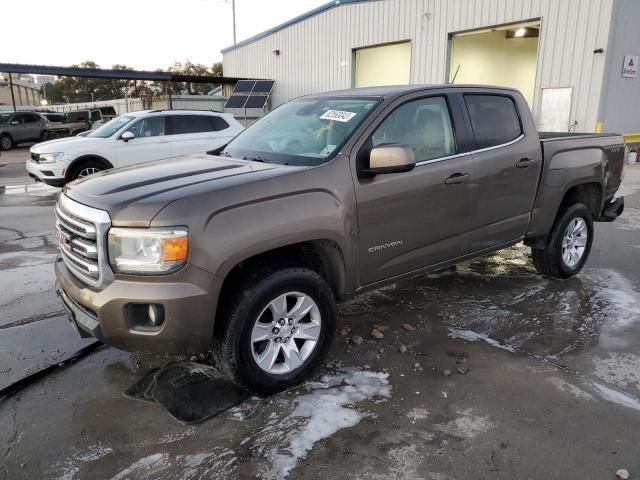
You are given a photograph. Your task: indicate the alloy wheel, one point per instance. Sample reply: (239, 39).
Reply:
(286, 333)
(574, 242)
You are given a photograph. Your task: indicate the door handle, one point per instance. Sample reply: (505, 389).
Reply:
(525, 162)
(457, 179)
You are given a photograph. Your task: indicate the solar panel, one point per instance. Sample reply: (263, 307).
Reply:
(263, 86)
(236, 101)
(256, 101)
(244, 86)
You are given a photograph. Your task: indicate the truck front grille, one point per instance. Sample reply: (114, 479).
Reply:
(81, 233)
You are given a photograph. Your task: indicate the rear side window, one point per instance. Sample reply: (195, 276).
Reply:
(494, 119)
(182, 124)
(31, 117)
(95, 115)
(219, 123)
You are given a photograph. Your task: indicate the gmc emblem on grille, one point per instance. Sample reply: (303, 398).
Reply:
(64, 239)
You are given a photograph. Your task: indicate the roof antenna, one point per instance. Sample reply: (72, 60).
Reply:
(453, 80)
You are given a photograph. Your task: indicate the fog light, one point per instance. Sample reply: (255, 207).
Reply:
(156, 315)
(144, 316)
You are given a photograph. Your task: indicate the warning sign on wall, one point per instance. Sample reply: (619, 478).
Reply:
(630, 67)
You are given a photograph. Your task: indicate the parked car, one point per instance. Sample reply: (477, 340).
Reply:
(21, 127)
(108, 113)
(130, 139)
(246, 252)
(53, 118)
(76, 122)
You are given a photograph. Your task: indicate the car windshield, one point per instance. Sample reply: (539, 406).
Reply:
(4, 118)
(111, 127)
(303, 132)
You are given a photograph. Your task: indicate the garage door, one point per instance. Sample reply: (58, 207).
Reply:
(383, 65)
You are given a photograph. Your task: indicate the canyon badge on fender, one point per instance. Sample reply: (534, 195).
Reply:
(384, 246)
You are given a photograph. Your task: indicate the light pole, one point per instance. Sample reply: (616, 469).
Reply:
(233, 13)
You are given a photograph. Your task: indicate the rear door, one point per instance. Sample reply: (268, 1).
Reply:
(34, 126)
(416, 219)
(507, 163)
(150, 142)
(193, 133)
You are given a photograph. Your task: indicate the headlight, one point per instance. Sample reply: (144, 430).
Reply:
(148, 251)
(50, 157)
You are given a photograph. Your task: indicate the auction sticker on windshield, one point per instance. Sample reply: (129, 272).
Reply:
(338, 115)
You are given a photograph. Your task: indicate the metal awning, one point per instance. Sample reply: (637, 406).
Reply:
(114, 74)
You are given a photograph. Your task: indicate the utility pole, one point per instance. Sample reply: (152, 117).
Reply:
(13, 98)
(233, 12)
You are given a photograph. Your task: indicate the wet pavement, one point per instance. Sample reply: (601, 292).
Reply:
(490, 371)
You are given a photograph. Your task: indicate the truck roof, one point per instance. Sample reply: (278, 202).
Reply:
(395, 90)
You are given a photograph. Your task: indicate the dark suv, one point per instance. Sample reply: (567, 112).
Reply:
(20, 127)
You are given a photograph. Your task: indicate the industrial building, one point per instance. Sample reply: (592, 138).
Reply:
(25, 93)
(575, 61)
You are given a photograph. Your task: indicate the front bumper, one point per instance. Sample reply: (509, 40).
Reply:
(49, 173)
(189, 298)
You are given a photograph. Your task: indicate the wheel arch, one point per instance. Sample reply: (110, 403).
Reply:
(324, 256)
(85, 158)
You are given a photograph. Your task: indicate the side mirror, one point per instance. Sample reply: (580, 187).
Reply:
(15, 122)
(390, 158)
(126, 136)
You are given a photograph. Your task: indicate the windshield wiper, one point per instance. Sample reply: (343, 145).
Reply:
(255, 159)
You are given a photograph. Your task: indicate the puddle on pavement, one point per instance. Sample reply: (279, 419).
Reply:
(501, 300)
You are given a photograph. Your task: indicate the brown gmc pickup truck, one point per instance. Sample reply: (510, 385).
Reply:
(246, 250)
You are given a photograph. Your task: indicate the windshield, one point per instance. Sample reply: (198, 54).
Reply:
(303, 132)
(111, 127)
(4, 118)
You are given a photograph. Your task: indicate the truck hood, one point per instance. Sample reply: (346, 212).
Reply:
(134, 195)
(64, 144)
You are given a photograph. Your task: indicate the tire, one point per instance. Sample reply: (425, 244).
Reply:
(5, 142)
(86, 168)
(248, 315)
(44, 136)
(566, 253)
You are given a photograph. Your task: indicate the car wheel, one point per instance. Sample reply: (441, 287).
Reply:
(87, 168)
(568, 245)
(277, 330)
(44, 136)
(5, 142)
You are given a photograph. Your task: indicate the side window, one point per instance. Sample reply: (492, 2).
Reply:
(424, 125)
(148, 127)
(95, 115)
(33, 117)
(20, 118)
(494, 119)
(183, 124)
(219, 123)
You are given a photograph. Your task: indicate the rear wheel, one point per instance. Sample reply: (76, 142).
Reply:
(277, 330)
(5, 142)
(568, 245)
(87, 168)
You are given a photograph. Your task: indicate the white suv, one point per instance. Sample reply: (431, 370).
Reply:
(130, 139)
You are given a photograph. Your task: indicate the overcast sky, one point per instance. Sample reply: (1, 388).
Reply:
(143, 34)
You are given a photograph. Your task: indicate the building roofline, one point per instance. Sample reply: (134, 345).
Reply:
(293, 21)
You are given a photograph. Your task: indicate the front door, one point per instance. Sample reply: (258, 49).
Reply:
(507, 165)
(149, 142)
(407, 221)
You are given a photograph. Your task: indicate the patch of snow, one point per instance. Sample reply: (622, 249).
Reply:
(146, 466)
(569, 388)
(319, 414)
(620, 369)
(616, 396)
(416, 414)
(472, 336)
(467, 425)
(71, 467)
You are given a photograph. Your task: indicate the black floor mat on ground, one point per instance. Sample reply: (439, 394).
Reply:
(190, 392)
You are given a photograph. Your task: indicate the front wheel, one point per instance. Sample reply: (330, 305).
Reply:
(86, 168)
(5, 142)
(568, 245)
(277, 330)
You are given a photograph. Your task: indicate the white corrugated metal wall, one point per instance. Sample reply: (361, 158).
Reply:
(316, 54)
